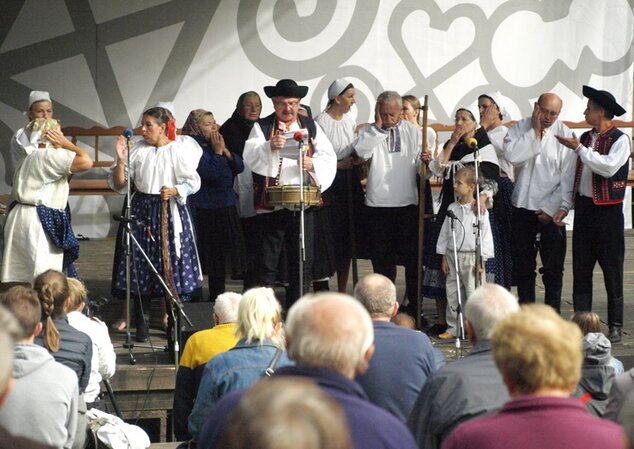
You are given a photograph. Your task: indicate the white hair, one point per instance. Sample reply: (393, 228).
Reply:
(377, 294)
(487, 306)
(329, 330)
(389, 96)
(226, 307)
(259, 313)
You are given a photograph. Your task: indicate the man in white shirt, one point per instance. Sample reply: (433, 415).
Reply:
(394, 148)
(600, 184)
(279, 227)
(544, 174)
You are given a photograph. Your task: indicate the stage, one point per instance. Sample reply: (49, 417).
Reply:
(144, 391)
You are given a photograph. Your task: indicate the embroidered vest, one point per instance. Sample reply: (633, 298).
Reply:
(605, 191)
(269, 129)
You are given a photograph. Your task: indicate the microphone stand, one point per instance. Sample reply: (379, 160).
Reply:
(302, 209)
(459, 315)
(127, 250)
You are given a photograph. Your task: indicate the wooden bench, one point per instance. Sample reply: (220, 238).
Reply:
(93, 138)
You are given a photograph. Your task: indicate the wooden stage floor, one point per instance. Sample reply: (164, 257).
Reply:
(144, 390)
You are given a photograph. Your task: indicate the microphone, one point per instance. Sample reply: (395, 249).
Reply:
(298, 137)
(128, 133)
(451, 214)
(472, 143)
(131, 220)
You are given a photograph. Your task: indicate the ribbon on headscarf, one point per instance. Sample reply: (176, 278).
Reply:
(171, 129)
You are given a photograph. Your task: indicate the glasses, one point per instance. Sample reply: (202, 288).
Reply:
(286, 104)
(548, 113)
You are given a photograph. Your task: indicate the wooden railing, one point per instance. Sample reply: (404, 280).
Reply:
(94, 138)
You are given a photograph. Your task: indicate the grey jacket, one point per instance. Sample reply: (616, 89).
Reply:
(457, 392)
(43, 402)
(597, 373)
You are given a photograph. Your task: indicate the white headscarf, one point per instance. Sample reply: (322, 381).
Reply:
(496, 96)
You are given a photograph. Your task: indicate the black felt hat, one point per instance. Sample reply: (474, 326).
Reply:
(286, 88)
(604, 99)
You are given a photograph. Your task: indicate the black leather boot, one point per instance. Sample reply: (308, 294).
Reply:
(615, 319)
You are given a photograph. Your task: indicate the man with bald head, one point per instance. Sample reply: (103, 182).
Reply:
(403, 358)
(330, 339)
(544, 176)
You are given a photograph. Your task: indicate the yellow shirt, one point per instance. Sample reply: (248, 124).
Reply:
(206, 344)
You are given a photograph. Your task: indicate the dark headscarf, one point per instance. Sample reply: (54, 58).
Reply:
(236, 131)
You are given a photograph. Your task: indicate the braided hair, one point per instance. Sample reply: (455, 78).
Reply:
(53, 292)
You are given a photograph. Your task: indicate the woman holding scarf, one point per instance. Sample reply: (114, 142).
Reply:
(162, 168)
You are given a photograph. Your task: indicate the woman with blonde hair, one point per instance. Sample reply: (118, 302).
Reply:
(66, 344)
(104, 359)
(260, 348)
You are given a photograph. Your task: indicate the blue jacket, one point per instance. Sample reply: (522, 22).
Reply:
(370, 426)
(240, 367)
(216, 175)
(403, 360)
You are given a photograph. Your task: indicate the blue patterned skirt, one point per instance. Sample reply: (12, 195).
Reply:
(186, 270)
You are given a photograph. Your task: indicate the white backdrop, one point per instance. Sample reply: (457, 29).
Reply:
(105, 61)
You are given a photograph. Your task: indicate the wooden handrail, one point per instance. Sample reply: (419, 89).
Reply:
(100, 186)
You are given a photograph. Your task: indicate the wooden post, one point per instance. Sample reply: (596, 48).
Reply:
(421, 216)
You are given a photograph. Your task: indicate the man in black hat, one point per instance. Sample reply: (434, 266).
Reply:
(600, 182)
(278, 226)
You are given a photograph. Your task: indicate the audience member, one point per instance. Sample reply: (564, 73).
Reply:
(7, 439)
(596, 373)
(281, 413)
(590, 322)
(66, 344)
(468, 387)
(393, 146)
(544, 174)
(540, 377)
(104, 360)
(403, 359)
(627, 421)
(43, 404)
(404, 320)
(329, 338)
(200, 348)
(219, 235)
(622, 386)
(603, 164)
(260, 345)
